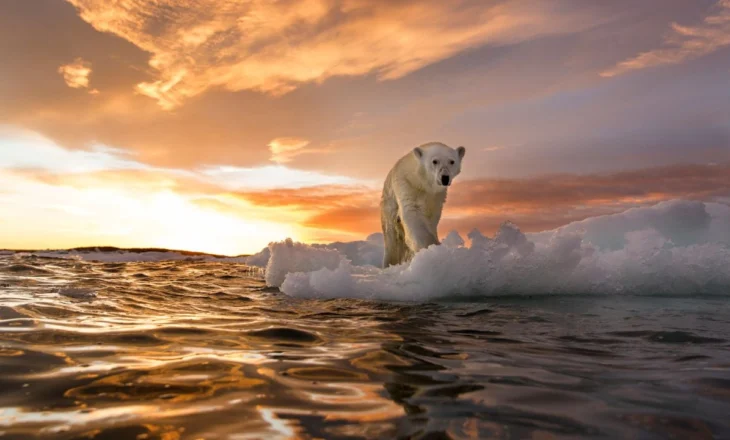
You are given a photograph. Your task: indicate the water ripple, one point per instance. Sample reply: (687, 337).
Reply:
(192, 349)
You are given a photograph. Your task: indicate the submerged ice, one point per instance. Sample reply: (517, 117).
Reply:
(675, 247)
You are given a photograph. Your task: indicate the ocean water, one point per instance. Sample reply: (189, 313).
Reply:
(200, 349)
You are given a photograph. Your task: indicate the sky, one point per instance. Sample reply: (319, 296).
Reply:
(222, 125)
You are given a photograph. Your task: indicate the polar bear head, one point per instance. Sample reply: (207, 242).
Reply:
(439, 163)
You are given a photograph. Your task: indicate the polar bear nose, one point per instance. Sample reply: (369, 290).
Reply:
(445, 180)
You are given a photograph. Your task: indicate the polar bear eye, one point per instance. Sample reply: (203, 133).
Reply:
(451, 162)
(435, 162)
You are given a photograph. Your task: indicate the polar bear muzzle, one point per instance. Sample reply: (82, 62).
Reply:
(445, 180)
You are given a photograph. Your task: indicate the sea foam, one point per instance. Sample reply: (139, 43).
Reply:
(675, 247)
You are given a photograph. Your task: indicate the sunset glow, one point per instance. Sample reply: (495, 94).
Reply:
(220, 126)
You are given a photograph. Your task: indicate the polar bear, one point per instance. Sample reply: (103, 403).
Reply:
(413, 197)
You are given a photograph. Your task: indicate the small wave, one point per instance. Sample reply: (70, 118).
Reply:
(288, 335)
(26, 269)
(669, 337)
(77, 293)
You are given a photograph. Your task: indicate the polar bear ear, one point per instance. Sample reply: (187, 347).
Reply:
(418, 152)
(461, 151)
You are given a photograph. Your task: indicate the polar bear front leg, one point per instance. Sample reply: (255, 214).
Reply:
(395, 246)
(417, 230)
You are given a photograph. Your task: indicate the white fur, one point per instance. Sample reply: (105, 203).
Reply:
(413, 198)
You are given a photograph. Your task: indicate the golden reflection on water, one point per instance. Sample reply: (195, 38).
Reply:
(137, 358)
(198, 350)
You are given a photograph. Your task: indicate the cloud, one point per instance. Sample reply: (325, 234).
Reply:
(284, 149)
(637, 186)
(684, 43)
(28, 151)
(536, 204)
(25, 150)
(271, 176)
(313, 206)
(481, 97)
(76, 74)
(546, 202)
(314, 197)
(274, 47)
(493, 148)
(334, 212)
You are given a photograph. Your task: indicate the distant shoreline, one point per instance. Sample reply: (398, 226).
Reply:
(88, 249)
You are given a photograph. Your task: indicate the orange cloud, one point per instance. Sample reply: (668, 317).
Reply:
(76, 74)
(542, 203)
(336, 212)
(645, 185)
(535, 204)
(100, 187)
(684, 43)
(356, 221)
(284, 149)
(273, 47)
(320, 196)
(131, 180)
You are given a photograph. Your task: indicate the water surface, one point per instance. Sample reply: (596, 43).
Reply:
(190, 349)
